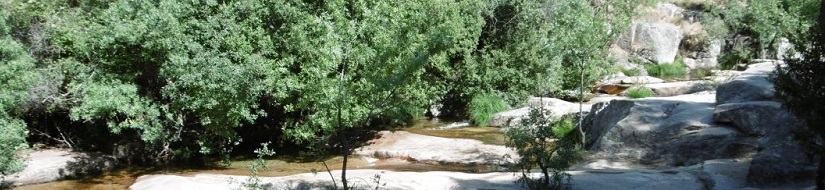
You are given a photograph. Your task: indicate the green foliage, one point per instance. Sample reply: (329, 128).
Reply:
(766, 21)
(739, 54)
(254, 182)
(632, 72)
(700, 73)
(483, 106)
(184, 76)
(800, 86)
(667, 70)
(639, 93)
(12, 140)
(16, 75)
(545, 143)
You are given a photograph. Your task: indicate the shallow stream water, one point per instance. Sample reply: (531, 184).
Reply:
(286, 165)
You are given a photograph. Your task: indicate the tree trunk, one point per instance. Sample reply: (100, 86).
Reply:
(820, 173)
(581, 101)
(546, 180)
(344, 171)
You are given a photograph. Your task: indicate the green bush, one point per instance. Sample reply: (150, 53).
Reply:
(483, 106)
(16, 76)
(700, 73)
(632, 72)
(667, 71)
(546, 144)
(738, 54)
(639, 93)
(12, 140)
(191, 74)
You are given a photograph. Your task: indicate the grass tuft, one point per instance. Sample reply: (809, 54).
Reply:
(639, 93)
(483, 106)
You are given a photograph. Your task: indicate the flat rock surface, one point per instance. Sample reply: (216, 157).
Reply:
(55, 164)
(557, 108)
(43, 166)
(435, 150)
(722, 174)
(641, 80)
(689, 178)
(679, 88)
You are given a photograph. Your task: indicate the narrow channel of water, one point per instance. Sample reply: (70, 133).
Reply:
(285, 165)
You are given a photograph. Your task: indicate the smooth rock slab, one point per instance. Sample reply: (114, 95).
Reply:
(658, 131)
(679, 88)
(557, 107)
(364, 179)
(55, 164)
(750, 85)
(781, 159)
(436, 150)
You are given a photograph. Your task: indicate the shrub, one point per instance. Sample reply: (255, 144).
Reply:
(738, 54)
(667, 71)
(483, 106)
(639, 93)
(632, 72)
(700, 73)
(547, 144)
(12, 140)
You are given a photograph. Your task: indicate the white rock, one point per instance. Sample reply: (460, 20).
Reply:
(658, 42)
(435, 150)
(641, 80)
(55, 164)
(679, 88)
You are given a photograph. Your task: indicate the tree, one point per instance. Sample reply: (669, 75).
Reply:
(546, 143)
(15, 78)
(800, 86)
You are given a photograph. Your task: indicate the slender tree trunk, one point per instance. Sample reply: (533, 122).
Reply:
(820, 173)
(546, 181)
(581, 100)
(345, 144)
(344, 170)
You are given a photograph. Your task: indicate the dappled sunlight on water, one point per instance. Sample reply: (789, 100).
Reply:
(488, 135)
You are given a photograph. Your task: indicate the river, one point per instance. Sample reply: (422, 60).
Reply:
(284, 165)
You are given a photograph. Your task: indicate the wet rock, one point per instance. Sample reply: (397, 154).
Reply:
(611, 89)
